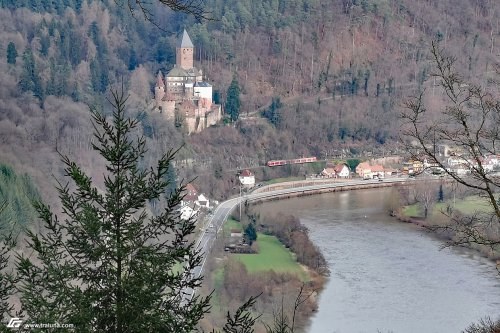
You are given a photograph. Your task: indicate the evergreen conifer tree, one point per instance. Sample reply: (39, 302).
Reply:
(30, 79)
(440, 193)
(7, 242)
(11, 53)
(233, 102)
(250, 233)
(109, 265)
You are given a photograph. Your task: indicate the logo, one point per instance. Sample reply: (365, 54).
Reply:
(14, 323)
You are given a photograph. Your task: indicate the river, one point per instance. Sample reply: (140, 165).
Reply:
(388, 276)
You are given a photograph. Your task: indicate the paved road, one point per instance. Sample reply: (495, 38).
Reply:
(214, 226)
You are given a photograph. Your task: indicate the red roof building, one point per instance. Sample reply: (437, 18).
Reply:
(191, 193)
(247, 178)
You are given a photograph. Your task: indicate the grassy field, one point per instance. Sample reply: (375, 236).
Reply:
(272, 256)
(468, 205)
(232, 224)
(282, 180)
(218, 276)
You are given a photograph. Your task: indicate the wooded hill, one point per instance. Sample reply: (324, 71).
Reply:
(318, 78)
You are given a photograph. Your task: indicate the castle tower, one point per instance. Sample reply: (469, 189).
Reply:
(159, 88)
(184, 52)
(168, 106)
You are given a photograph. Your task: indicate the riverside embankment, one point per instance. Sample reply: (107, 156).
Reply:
(294, 189)
(387, 275)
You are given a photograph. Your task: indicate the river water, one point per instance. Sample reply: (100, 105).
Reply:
(388, 276)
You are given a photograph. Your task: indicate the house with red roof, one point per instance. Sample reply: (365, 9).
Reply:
(342, 171)
(377, 170)
(191, 193)
(328, 173)
(364, 170)
(195, 199)
(247, 178)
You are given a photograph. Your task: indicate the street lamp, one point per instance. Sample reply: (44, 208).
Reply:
(240, 203)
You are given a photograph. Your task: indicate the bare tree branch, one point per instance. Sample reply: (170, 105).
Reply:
(196, 8)
(469, 124)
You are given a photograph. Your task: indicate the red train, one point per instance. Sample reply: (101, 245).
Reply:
(294, 161)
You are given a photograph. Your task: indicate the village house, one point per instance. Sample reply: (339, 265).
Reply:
(194, 199)
(187, 212)
(247, 179)
(342, 171)
(377, 171)
(490, 163)
(364, 170)
(412, 166)
(390, 171)
(338, 171)
(182, 93)
(367, 171)
(191, 194)
(202, 201)
(328, 173)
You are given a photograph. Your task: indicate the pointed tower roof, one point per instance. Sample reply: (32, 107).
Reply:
(159, 80)
(185, 41)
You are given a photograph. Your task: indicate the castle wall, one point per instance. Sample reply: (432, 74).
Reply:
(195, 124)
(168, 109)
(214, 116)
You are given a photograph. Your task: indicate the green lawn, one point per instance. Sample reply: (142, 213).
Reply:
(218, 276)
(231, 224)
(468, 205)
(272, 256)
(412, 210)
(282, 180)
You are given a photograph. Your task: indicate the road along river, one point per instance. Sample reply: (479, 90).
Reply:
(386, 275)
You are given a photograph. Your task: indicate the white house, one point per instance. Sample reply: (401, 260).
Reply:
(202, 201)
(247, 178)
(455, 160)
(194, 199)
(187, 212)
(490, 162)
(342, 171)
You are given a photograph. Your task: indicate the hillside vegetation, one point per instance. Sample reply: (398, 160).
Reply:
(319, 78)
(16, 195)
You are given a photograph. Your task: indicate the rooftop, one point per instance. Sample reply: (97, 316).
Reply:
(185, 41)
(246, 173)
(202, 84)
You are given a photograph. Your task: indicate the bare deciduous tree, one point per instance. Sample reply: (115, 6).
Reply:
(470, 125)
(144, 7)
(425, 196)
(281, 322)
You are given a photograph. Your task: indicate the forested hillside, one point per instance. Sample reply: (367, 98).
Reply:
(17, 193)
(320, 78)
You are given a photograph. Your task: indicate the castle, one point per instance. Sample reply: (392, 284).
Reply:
(183, 93)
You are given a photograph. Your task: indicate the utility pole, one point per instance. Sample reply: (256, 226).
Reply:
(240, 203)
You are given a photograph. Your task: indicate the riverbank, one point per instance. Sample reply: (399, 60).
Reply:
(275, 271)
(437, 225)
(387, 275)
(308, 187)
